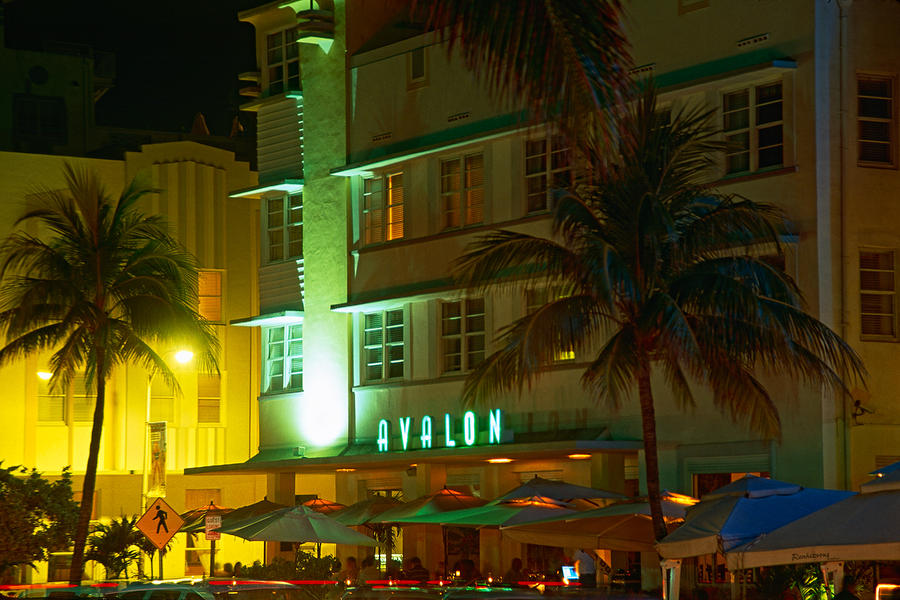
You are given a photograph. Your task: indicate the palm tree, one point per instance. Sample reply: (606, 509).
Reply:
(568, 61)
(115, 545)
(656, 273)
(105, 284)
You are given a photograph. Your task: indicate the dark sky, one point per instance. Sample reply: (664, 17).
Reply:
(173, 57)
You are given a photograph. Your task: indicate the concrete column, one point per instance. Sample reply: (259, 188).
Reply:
(608, 472)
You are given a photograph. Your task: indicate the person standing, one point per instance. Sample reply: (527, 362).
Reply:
(586, 567)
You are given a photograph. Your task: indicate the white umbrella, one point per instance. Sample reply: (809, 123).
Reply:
(861, 527)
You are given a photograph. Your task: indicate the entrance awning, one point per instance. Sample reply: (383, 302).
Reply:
(284, 460)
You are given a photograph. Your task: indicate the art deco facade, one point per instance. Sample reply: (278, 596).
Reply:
(381, 159)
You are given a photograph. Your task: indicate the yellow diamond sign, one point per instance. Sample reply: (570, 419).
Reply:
(160, 523)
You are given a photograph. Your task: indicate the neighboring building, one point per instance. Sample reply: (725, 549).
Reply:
(46, 119)
(380, 159)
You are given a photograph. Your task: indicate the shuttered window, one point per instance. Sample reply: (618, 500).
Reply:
(548, 166)
(875, 120)
(383, 208)
(462, 335)
(51, 406)
(83, 400)
(383, 350)
(284, 227)
(877, 294)
(209, 398)
(162, 400)
(753, 121)
(462, 191)
(209, 292)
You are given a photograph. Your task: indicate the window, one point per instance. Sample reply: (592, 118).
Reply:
(283, 61)
(162, 400)
(462, 335)
(875, 111)
(536, 298)
(877, 292)
(383, 345)
(548, 166)
(83, 400)
(209, 292)
(284, 359)
(753, 122)
(51, 406)
(383, 208)
(209, 398)
(284, 227)
(39, 118)
(416, 73)
(462, 191)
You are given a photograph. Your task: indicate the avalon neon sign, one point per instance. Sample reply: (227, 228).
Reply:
(427, 437)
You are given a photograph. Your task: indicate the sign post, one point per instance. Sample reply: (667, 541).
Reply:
(211, 525)
(160, 524)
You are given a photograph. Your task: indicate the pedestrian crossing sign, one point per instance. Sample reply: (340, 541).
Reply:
(160, 523)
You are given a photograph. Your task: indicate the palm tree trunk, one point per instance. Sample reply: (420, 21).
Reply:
(90, 481)
(651, 457)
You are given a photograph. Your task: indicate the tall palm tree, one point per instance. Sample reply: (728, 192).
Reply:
(568, 61)
(656, 273)
(100, 289)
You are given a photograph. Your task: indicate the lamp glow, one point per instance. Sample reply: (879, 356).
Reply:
(44, 375)
(498, 461)
(579, 456)
(183, 357)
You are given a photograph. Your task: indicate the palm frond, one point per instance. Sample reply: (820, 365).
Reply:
(612, 373)
(570, 62)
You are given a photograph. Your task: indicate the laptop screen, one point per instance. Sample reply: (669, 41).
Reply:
(568, 572)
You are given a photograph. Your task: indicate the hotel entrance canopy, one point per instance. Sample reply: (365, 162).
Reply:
(366, 457)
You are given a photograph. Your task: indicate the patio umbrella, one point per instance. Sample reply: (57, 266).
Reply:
(325, 507)
(235, 516)
(195, 519)
(364, 511)
(623, 526)
(300, 524)
(739, 512)
(559, 490)
(442, 501)
(511, 512)
(862, 526)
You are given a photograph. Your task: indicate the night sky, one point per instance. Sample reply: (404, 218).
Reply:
(173, 57)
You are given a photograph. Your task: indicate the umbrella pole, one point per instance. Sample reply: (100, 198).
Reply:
(212, 558)
(318, 550)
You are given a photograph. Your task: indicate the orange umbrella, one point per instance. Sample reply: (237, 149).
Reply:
(323, 506)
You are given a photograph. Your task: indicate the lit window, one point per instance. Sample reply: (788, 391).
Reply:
(284, 359)
(383, 208)
(383, 350)
(753, 122)
(283, 61)
(209, 292)
(462, 335)
(877, 293)
(209, 398)
(875, 111)
(548, 167)
(284, 227)
(462, 191)
(538, 297)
